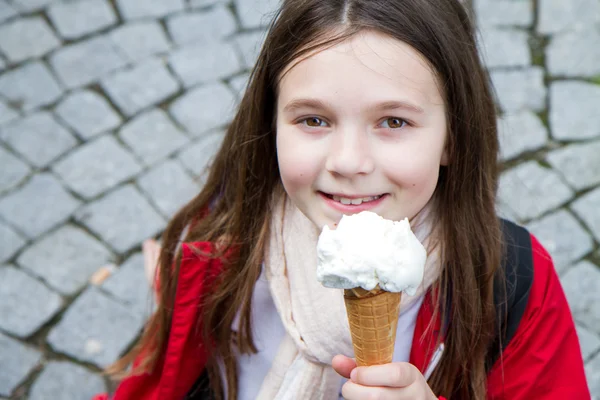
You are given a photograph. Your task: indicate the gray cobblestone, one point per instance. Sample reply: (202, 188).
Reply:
(205, 63)
(556, 15)
(78, 18)
(65, 259)
(578, 163)
(13, 170)
(11, 242)
(255, 13)
(26, 38)
(16, 363)
(592, 372)
(43, 193)
(66, 381)
(504, 12)
(83, 172)
(580, 284)
(2, 64)
(205, 3)
(199, 156)
(565, 249)
(520, 89)
(30, 86)
(573, 110)
(39, 138)
(138, 40)
(590, 343)
(249, 45)
(153, 136)
(144, 85)
(31, 5)
(123, 218)
(7, 114)
(7, 11)
(204, 109)
(574, 54)
(169, 187)
(129, 285)
(520, 132)
(586, 207)
(202, 27)
(530, 190)
(87, 113)
(85, 62)
(504, 48)
(134, 9)
(25, 304)
(87, 331)
(239, 84)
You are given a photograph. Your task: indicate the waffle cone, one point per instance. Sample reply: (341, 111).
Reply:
(373, 318)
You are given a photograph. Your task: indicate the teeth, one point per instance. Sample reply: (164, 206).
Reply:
(354, 202)
(346, 201)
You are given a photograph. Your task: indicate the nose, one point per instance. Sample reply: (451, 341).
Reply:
(349, 154)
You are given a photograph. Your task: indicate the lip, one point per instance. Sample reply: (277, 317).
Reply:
(349, 208)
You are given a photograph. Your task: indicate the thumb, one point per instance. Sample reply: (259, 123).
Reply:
(343, 365)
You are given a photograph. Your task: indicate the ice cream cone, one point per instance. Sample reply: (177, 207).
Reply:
(373, 318)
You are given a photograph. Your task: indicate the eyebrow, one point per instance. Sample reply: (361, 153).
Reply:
(385, 106)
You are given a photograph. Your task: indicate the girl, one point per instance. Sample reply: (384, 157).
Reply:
(356, 105)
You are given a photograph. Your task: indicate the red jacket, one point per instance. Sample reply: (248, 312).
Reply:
(542, 361)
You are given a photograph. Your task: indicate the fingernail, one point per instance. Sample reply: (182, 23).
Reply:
(353, 375)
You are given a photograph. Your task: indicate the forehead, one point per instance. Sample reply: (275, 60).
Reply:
(369, 64)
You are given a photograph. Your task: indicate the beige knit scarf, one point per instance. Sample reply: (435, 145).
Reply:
(314, 316)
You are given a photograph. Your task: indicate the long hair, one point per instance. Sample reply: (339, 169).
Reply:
(245, 175)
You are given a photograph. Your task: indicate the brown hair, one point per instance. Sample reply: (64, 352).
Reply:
(245, 175)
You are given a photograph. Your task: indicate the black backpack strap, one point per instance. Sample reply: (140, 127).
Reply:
(511, 290)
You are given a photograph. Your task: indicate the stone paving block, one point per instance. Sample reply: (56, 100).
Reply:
(140, 87)
(590, 342)
(123, 218)
(256, 13)
(520, 89)
(7, 114)
(153, 136)
(39, 138)
(7, 11)
(556, 15)
(564, 238)
(78, 18)
(530, 190)
(205, 63)
(130, 286)
(504, 12)
(16, 362)
(578, 163)
(592, 372)
(2, 64)
(44, 195)
(198, 157)
(134, 9)
(202, 27)
(586, 207)
(31, 5)
(65, 259)
(520, 132)
(95, 329)
(204, 109)
(239, 84)
(87, 113)
(13, 170)
(169, 187)
(66, 381)
(85, 62)
(249, 45)
(581, 284)
(97, 166)
(504, 48)
(30, 86)
(10, 242)
(574, 54)
(27, 38)
(25, 303)
(574, 110)
(138, 40)
(205, 3)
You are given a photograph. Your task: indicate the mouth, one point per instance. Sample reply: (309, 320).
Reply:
(350, 202)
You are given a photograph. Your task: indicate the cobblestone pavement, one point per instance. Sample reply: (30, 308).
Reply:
(110, 110)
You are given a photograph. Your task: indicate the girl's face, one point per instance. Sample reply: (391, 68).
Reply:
(360, 126)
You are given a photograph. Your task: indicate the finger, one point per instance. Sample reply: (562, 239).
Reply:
(343, 365)
(391, 375)
(353, 391)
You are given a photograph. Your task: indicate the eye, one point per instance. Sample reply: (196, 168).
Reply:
(314, 122)
(394, 123)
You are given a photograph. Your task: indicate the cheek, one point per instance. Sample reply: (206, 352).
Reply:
(298, 167)
(418, 175)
